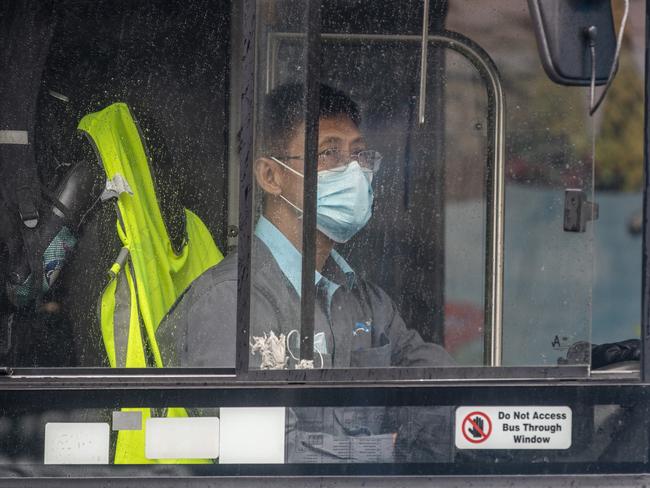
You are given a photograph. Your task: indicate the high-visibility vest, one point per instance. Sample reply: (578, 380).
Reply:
(148, 276)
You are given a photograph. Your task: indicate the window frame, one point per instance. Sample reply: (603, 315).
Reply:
(106, 388)
(247, 75)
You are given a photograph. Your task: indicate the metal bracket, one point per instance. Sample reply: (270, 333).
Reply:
(578, 211)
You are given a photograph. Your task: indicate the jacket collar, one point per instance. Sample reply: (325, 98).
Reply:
(289, 259)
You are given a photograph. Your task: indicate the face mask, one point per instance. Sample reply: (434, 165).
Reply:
(344, 201)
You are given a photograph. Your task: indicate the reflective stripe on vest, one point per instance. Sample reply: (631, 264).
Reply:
(148, 276)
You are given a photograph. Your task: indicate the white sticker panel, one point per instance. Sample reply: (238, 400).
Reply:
(252, 435)
(182, 438)
(513, 427)
(76, 443)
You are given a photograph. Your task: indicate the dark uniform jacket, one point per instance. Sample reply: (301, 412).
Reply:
(356, 325)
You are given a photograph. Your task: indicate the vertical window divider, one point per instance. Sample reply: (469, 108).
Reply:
(312, 109)
(645, 285)
(246, 149)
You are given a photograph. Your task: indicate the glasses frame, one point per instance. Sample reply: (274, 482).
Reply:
(342, 167)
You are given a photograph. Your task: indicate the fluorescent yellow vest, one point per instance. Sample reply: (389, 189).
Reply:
(148, 276)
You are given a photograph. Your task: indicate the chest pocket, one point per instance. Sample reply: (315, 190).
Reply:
(372, 357)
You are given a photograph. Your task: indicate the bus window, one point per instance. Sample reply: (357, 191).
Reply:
(295, 234)
(446, 162)
(146, 82)
(430, 246)
(548, 272)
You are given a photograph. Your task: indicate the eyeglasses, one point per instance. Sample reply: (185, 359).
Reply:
(333, 159)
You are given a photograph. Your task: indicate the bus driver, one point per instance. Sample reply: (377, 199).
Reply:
(356, 323)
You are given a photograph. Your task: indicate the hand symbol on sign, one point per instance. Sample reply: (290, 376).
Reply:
(478, 421)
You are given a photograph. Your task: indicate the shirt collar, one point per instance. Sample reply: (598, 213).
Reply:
(290, 260)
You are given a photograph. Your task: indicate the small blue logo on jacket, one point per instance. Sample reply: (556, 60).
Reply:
(362, 328)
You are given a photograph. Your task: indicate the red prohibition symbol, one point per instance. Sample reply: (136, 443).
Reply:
(476, 427)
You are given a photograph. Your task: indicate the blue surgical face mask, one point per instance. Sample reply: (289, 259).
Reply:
(344, 200)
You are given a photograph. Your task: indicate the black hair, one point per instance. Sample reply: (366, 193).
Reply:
(284, 112)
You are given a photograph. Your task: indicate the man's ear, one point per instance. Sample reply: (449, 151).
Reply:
(267, 174)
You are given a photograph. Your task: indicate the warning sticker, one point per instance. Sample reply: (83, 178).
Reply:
(513, 427)
(477, 427)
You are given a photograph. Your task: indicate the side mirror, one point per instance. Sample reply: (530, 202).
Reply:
(562, 29)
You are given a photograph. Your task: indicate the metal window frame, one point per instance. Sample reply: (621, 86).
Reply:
(310, 158)
(42, 388)
(645, 266)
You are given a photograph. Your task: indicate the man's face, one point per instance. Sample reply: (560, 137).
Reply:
(338, 132)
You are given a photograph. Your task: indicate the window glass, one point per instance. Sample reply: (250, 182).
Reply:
(427, 249)
(409, 209)
(395, 254)
(548, 272)
(618, 184)
(167, 65)
(278, 173)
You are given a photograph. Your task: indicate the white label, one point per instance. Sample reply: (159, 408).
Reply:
(513, 427)
(76, 443)
(252, 435)
(182, 438)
